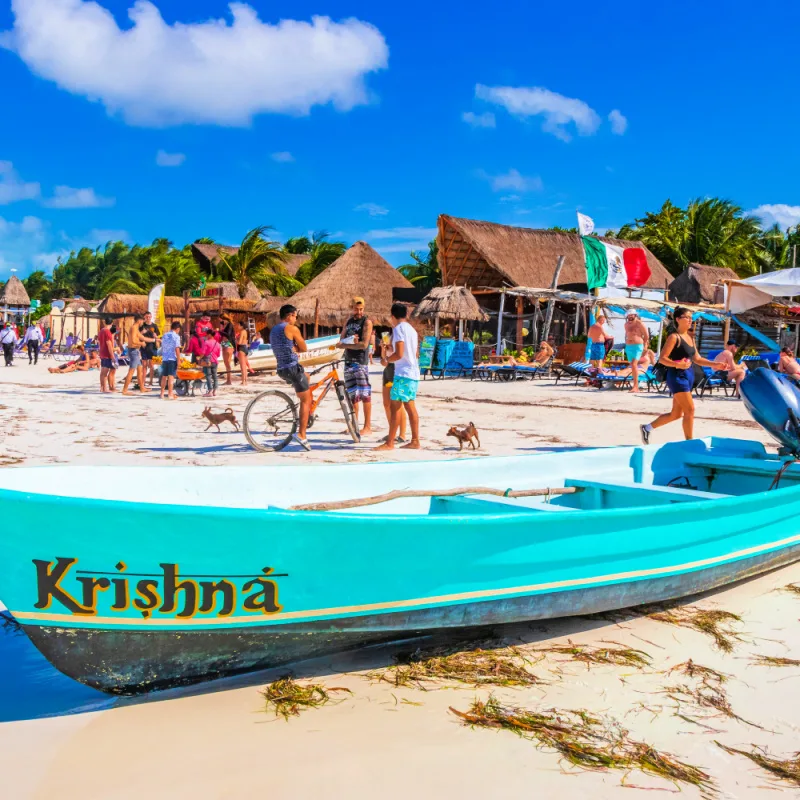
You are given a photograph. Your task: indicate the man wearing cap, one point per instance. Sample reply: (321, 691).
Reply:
(736, 372)
(355, 339)
(636, 334)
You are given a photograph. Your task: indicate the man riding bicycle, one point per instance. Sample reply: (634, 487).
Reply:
(287, 341)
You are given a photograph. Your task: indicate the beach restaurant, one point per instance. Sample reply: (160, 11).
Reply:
(14, 300)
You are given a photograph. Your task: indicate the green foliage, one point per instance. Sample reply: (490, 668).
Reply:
(38, 286)
(424, 272)
(580, 338)
(615, 354)
(653, 344)
(709, 231)
(486, 337)
(259, 260)
(321, 254)
(298, 245)
(40, 312)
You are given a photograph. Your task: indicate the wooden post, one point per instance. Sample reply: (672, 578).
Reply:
(436, 327)
(552, 304)
(186, 319)
(499, 348)
(520, 309)
(316, 318)
(727, 330)
(461, 330)
(576, 329)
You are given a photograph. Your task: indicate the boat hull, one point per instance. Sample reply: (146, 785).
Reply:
(184, 590)
(132, 662)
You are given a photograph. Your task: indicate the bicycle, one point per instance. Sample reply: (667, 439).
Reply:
(271, 418)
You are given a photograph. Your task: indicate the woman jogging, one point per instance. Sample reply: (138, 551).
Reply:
(678, 356)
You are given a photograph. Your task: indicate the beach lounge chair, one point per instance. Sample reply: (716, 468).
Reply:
(576, 370)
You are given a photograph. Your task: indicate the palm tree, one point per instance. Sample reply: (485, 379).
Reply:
(709, 231)
(261, 261)
(424, 272)
(321, 254)
(298, 245)
(38, 286)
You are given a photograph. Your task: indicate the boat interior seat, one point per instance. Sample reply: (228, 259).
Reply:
(624, 494)
(745, 466)
(500, 505)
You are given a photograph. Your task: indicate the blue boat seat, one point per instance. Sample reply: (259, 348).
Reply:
(744, 466)
(628, 494)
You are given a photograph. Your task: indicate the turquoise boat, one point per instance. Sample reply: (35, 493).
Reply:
(214, 571)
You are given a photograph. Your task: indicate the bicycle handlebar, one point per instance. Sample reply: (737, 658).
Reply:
(326, 366)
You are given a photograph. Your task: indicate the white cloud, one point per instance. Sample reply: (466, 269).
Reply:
(402, 233)
(67, 197)
(510, 198)
(619, 123)
(780, 213)
(99, 236)
(22, 246)
(165, 159)
(212, 72)
(13, 188)
(403, 247)
(283, 157)
(485, 120)
(559, 112)
(512, 181)
(373, 209)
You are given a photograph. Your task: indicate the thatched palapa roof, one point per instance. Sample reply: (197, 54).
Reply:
(359, 272)
(450, 302)
(14, 294)
(700, 283)
(484, 254)
(268, 305)
(230, 291)
(208, 254)
(129, 304)
(78, 306)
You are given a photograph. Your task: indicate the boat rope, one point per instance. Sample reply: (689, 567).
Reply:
(335, 505)
(779, 474)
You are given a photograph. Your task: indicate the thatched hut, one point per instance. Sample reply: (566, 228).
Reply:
(228, 290)
(700, 283)
(14, 299)
(360, 271)
(450, 302)
(208, 255)
(484, 254)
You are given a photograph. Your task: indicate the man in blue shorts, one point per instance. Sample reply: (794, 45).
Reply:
(403, 354)
(170, 357)
(597, 342)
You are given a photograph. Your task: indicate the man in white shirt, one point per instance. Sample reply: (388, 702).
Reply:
(8, 338)
(33, 338)
(403, 354)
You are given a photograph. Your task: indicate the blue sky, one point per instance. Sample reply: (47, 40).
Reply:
(371, 123)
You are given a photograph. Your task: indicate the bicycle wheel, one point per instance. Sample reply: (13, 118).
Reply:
(270, 420)
(348, 411)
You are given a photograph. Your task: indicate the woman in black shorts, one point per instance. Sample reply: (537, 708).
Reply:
(678, 355)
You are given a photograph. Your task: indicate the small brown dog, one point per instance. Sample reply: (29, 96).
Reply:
(215, 419)
(466, 434)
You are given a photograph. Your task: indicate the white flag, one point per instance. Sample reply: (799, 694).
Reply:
(585, 224)
(154, 300)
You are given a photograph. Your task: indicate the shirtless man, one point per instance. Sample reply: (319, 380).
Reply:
(597, 337)
(736, 372)
(788, 363)
(543, 354)
(636, 335)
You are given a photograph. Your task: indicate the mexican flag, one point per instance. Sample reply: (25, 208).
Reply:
(610, 265)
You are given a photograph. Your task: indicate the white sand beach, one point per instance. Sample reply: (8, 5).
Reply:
(217, 741)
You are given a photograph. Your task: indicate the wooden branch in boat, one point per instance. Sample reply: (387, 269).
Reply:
(384, 498)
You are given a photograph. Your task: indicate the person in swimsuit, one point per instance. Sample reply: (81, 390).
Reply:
(787, 363)
(83, 363)
(388, 380)
(227, 338)
(597, 342)
(242, 349)
(678, 355)
(286, 342)
(355, 339)
(636, 336)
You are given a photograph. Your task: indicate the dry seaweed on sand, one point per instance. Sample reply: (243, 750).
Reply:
(288, 698)
(713, 622)
(504, 666)
(707, 696)
(794, 588)
(775, 661)
(786, 769)
(612, 654)
(585, 741)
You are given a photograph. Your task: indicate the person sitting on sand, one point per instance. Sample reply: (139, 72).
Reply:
(83, 363)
